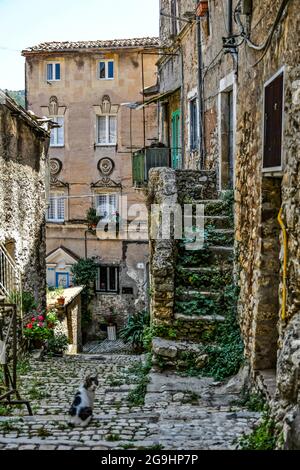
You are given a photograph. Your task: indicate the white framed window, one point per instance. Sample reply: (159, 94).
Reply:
(53, 72)
(108, 279)
(106, 70)
(58, 134)
(106, 130)
(56, 209)
(107, 206)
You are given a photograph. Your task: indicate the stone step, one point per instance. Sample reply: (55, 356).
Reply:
(197, 318)
(192, 293)
(218, 221)
(213, 207)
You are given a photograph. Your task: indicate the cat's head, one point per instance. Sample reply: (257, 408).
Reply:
(91, 383)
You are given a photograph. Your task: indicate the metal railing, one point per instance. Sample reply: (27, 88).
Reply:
(10, 277)
(145, 159)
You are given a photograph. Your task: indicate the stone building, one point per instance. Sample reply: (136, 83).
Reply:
(242, 61)
(24, 141)
(91, 89)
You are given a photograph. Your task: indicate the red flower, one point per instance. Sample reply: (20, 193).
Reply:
(33, 319)
(29, 326)
(40, 318)
(41, 324)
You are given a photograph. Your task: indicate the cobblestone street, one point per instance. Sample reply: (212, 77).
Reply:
(179, 412)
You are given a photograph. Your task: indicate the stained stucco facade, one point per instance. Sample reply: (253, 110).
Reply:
(82, 168)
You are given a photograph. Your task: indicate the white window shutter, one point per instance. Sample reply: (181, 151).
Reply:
(102, 130)
(60, 208)
(112, 129)
(60, 131)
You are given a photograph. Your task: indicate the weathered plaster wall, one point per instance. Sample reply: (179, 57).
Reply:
(23, 165)
(259, 198)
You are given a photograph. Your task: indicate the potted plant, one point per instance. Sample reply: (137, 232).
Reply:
(61, 301)
(202, 8)
(39, 329)
(92, 218)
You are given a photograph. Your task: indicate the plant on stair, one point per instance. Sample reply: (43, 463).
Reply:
(133, 331)
(262, 438)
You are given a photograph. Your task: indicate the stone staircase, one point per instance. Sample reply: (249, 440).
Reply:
(201, 277)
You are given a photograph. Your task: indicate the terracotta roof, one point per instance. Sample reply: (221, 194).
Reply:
(103, 44)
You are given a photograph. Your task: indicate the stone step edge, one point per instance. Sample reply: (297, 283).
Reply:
(60, 418)
(205, 269)
(205, 318)
(192, 292)
(68, 443)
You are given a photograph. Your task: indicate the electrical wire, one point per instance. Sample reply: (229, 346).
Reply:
(266, 43)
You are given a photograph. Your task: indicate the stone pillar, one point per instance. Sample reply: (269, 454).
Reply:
(162, 190)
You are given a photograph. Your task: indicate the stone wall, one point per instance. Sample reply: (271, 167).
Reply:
(23, 168)
(270, 341)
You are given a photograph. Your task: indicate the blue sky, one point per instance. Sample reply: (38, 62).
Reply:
(24, 23)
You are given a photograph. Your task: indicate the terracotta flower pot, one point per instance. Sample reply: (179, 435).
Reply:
(202, 8)
(61, 301)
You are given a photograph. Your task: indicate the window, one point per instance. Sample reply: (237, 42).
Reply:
(273, 123)
(106, 130)
(108, 279)
(53, 72)
(106, 70)
(58, 134)
(106, 205)
(56, 209)
(194, 128)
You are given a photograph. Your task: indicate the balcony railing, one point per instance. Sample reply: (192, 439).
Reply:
(145, 159)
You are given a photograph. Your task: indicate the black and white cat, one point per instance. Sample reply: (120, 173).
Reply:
(81, 411)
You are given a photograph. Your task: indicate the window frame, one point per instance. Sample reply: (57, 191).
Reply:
(106, 143)
(106, 62)
(54, 78)
(55, 132)
(107, 289)
(280, 168)
(56, 196)
(107, 195)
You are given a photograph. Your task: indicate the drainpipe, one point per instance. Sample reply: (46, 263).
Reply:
(285, 259)
(229, 18)
(202, 151)
(85, 243)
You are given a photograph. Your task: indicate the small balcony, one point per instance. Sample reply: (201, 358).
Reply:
(145, 159)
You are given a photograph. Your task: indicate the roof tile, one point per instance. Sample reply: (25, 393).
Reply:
(101, 44)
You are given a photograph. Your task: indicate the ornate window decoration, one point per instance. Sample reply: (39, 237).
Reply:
(53, 106)
(106, 105)
(55, 169)
(106, 166)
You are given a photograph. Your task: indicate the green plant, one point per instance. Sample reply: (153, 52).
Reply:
(137, 396)
(43, 433)
(253, 401)
(54, 292)
(57, 344)
(92, 217)
(113, 437)
(26, 298)
(133, 331)
(85, 274)
(262, 438)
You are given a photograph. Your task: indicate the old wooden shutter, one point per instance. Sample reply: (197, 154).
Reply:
(273, 123)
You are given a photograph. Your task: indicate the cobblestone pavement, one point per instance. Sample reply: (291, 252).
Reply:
(179, 413)
(107, 347)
